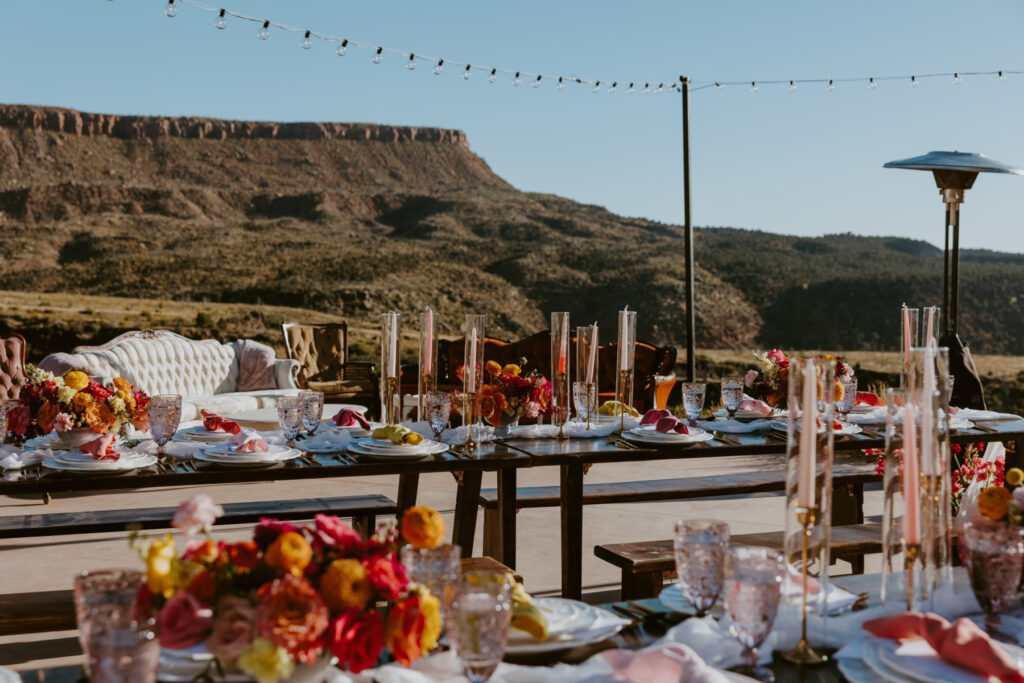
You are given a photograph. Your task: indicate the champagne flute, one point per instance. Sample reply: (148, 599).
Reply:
(164, 418)
(312, 410)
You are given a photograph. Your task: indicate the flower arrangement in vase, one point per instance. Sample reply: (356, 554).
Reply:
(291, 595)
(509, 394)
(771, 383)
(75, 403)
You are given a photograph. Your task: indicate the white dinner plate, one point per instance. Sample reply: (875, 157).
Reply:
(273, 450)
(246, 459)
(184, 666)
(81, 460)
(113, 466)
(201, 433)
(353, 430)
(375, 453)
(846, 428)
(51, 441)
(916, 660)
(856, 671)
(564, 616)
(424, 447)
(652, 437)
(568, 640)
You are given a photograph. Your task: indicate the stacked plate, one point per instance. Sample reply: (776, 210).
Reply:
(647, 434)
(384, 448)
(353, 430)
(200, 434)
(77, 461)
(225, 454)
(844, 428)
(570, 624)
(911, 661)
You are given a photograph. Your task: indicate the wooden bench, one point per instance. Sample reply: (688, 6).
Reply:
(362, 509)
(644, 563)
(846, 508)
(55, 610)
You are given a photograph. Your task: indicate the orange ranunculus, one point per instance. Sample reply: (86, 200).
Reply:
(291, 552)
(46, 415)
(511, 369)
(129, 402)
(490, 404)
(243, 555)
(82, 400)
(99, 417)
(492, 367)
(404, 634)
(207, 551)
(121, 384)
(292, 615)
(422, 527)
(76, 379)
(994, 502)
(840, 392)
(346, 584)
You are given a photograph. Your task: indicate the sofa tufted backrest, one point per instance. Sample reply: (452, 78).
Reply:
(12, 366)
(161, 362)
(321, 350)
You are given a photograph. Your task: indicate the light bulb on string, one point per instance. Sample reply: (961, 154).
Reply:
(597, 87)
(467, 73)
(913, 81)
(536, 83)
(412, 62)
(612, 87)
(719, 86)
(171, 10)
(956, 79)
(517, 80)
(629, 90)
(439, 68)
(306, 42)
(831, 85)
(342, 49)
(561, 84)
(792, 85)
(1001, 77)
(493, 76)
(379, 57)
(753, 86)
(221, 22)
(264, 31)
(661, 88)
(871, 83)
(647, 89)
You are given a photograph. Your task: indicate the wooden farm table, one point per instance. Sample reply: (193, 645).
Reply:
(468, 471)
(575, 456)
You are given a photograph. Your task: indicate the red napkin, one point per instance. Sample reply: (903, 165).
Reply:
(961, 642)
(671, 424)
(668, 663)
(347, 417)
(753, 404)
(653, 415)
(249, 441)
(101, 448)
(214, 422)
(866, 398)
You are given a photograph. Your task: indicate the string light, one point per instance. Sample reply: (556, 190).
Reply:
(171, 10)
(661, 88)
(466, 74)
(718, 86)
(536, 83)
(439, 68)
(913, 81)
(597, 87)
(613, 86)
(494, 74)
(306, 42)
(956, 79)
(342, 49)
(561, 85)
(1001, 77)
(753, 86)
(831, 85)
(379, 57)
(871, 83)
(517, 81)
(792, 85)
(629, 91)
(412, 62)
(221, 22)
(264, 31)
(647, 89)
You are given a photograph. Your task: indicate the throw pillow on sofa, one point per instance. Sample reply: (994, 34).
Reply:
(255, 366)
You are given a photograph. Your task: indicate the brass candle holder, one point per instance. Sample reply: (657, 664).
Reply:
(625, 390)
(803, 654)
(426, 385)
(390, 392)
(910, 555)
(591, 403)
(561, 412)
(468, 406)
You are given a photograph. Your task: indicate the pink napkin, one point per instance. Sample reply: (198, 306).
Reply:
(214, 422)
(653, 415)
(101, 448)
(249, 441)
(961, 643)
(753, 404)
(669, 663)
(866, 398)
(671, 424)
(347, 417)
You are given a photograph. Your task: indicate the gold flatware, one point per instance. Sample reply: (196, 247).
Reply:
(985, 428)
(719, 436)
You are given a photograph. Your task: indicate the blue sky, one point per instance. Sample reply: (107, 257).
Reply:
(805, 162)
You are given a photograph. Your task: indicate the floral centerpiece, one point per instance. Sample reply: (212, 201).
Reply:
(51, 402)
(771, 382)
(509, 395)
(969, 466)
(291, 595)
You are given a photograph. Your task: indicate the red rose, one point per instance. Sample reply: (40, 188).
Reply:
(334, 533)
(202, 586)
(387, 576)
(183, 621)
(244, 554)
(356, 639)
(18, 419)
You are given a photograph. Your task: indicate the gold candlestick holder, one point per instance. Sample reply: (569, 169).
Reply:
(910, 555)
(625, 390)
(591, 402)
(561, 412)
(468, 413)
(426, 385)
(803, 654)
(390, 390)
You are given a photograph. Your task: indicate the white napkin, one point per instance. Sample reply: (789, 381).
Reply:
(734, 426)
(14, 458)
(458, 435)
(336, 440)
(874, 416)
(174, 449)
(983, 415)
(572, 428)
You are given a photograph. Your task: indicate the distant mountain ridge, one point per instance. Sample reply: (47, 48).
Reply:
(359, 219)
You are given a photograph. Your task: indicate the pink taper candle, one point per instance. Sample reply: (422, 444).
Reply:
(911, 479)
(906, 335)
(428, 342)
(808, 437)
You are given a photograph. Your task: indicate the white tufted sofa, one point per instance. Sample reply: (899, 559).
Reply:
(205, 372)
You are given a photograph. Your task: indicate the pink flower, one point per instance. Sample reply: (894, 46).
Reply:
(183, 621)
(334, 533)
(776, 356)
(387, 576)
(233, 628)
(195, 514)
(18, 419)
(63, 422)
(748, 380)
(532, 409)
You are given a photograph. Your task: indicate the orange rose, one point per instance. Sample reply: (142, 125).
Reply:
(292, 615)
(82, 400)
(121, 384)
(46, 415)
(346, 584)
(492, 367)
(490, 404)
(291, 552)
(404, 635)
(511, 369)
(76, 379)
(99, 417)
(422, 527)
(994, 502)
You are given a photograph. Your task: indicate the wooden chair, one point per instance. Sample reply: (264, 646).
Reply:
(12, 365)
(322, 354)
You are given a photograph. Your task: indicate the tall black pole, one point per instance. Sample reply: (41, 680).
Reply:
(691, 326)
(954, 294)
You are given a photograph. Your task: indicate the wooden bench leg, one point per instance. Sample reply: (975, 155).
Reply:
(637, 586)
(408, 487)
(507, 517)
(572, 530)
(492, 533)
(847, 504)
(364, 524)
(467, 502)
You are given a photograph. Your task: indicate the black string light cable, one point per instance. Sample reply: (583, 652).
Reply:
(829, 84)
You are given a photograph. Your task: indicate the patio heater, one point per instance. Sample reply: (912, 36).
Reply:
(955, 173)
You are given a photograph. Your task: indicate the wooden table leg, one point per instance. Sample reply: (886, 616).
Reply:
(408, 487)
(572, 531)
(507, 517)
(467, 500)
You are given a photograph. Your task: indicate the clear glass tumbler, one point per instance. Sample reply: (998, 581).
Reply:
(479, 618)
(700, 547)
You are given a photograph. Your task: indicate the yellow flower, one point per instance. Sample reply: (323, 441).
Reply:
(430, 607)
(422, 527)
(116, 404)
(121, 384)
(994, 502)
(160, 566)
(492, 367)
(1014, 476)
(290, 552)
(840, 392)
(345, 584)
(76, 379)
(511, 369)
(82, 400)
(66, 395)
(266, 662)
